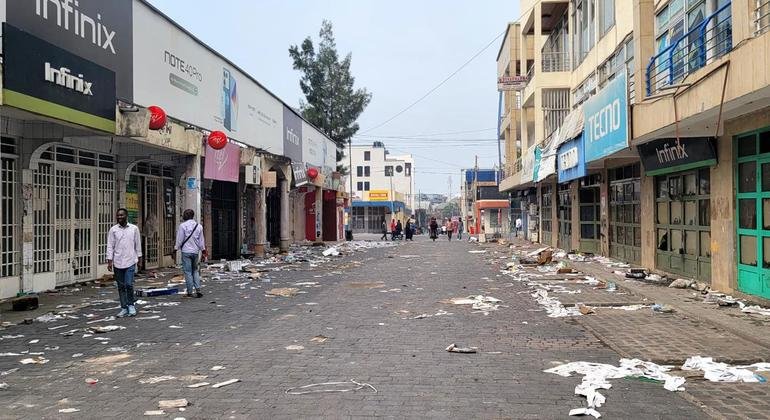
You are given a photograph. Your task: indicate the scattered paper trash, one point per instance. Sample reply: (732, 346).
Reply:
(217, 368)
(198, 385)
(663, 309)
(295, 347)
(348, 386)
(69, 410)
(477, 251)
(3, 385)
(452, 348)
(319, 339)
(331, 252)
(39, 360)
(681, 283)
(182, 402)
(283, 292)
(106, 328)
(157, 379)
(154, 413)
(225, 383)
(584, 412)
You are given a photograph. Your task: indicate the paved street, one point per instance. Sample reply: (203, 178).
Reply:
(366, 304)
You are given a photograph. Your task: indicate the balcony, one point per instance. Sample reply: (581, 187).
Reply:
(703, 44)
(762, 17)
(555, 61)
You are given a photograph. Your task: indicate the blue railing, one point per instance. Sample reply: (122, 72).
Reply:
(708, 40)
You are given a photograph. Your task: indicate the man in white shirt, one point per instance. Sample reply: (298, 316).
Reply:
(124, 251)
(190, 240)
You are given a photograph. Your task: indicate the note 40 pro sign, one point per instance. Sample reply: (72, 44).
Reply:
(606, 120)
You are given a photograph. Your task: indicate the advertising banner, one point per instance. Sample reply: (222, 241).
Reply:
(528, 165)
(511, 83)
(174, 71)
(299, 170)
(292, 135)
(571, 160)
(223, 164)
(43, 78)
(606, 120)
(673, 155)
(96, 30)
(379, 195)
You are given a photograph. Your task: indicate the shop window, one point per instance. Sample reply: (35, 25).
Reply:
(766, 213)
(690, 184)
(676, 240)
(766, 252)
(704, 176)
(587, 231)
(764, 142)
(637, 237)
(676, 213)
(691, 242)
(704, 212)
(691, 212)
(747, 145)
(408, 169)
(747, 213)
(705, 244)
(748, 250)
(389, 170)
(662, 187)
(663, 218)
(766, 175)
(663, 239)
(747, 177)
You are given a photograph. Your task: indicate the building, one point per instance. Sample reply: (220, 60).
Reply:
(484, 209)
(644, 134)
(383, 186)
(123, 120)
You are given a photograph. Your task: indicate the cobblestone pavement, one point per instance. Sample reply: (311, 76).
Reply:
(358, 321)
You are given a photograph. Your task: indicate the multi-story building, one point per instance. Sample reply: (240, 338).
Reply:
(483, 208)
(645, 133)
(383, 186)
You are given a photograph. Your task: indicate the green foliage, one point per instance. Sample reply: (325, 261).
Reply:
(451, 209)
(331, 102)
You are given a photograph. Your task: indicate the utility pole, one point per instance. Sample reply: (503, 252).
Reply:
(349, 232)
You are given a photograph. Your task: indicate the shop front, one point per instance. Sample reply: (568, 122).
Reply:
(221, 197)
(681, 168)
(571, 166)
(625, 213)
(752, 178)
(589, 202)
(151, 205)
(546, 209)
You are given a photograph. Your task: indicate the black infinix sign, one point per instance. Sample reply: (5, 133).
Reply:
(48, 80)
(97, 30)
(672, 155)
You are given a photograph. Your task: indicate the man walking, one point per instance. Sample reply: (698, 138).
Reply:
(190, 241)
(460, 227)
(124, 252)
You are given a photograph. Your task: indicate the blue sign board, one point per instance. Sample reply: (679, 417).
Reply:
(570, 160)
(606, 120)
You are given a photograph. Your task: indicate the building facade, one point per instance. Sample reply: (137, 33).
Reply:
(383, 187)
(82, 136)
(651, 136)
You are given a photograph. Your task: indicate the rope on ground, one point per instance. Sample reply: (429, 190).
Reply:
(291, 391)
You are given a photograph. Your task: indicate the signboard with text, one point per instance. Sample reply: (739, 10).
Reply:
(673, 155)
(606, 120)
(570, 160)
(511, 83)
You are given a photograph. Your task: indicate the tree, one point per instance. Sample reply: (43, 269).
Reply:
(451, 209)
(331, 102)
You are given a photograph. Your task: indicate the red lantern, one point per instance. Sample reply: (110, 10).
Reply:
(157, 117)
(312, 173)
(217, 140)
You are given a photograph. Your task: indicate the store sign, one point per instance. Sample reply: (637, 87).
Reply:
(223, 164)
(199, 87)
(673, 155)
(292, 135)
(570, 162)
(48, 80)
(511, 83)
(96, 30)
(299, 170)
(606, 120)
(252, 175)
(379, 195)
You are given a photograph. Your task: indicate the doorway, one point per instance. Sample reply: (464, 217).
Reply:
(224, 220)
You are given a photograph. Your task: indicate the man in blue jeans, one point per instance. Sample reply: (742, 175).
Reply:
(124, 252)
(190, 241)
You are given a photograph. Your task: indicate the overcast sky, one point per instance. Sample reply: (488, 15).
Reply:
(401, 49)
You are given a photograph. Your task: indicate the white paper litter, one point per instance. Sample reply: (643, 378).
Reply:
(584, 412)
(331, 252)
(754, 309)
(479, 303)
(157, 379)
(69, 410)
(721, 372)
(478, 251)
(225, 383)
(198, 385)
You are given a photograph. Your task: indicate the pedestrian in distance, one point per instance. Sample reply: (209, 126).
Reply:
(392, 228)
(124, 253)
(518, 226)
(433, 226)
(384, 236)
(399, 233)
(449, 229)
(190, 241)
(409, 230)
(460, 227)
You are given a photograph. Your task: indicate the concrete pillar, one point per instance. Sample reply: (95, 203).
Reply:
(190, 185)
(647, 224)
(574, 188)
(644, 43)
(724, 275)
(319, 210)
(538, 15)
(285, 235)
(260, 216)
(604, 211)
(554, 212)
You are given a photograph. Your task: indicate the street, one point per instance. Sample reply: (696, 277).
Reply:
(367, 306)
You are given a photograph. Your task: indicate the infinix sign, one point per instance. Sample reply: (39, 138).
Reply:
(82, 24)
(63, 77)
(99, 31)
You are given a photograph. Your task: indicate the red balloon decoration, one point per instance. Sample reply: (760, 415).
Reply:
(312, 173)
(217, 140)
(157, 117)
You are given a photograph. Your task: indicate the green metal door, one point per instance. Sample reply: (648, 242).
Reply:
(753, 212)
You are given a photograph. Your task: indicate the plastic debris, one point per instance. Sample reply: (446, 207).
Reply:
(198, 385)
(68, 410)
(584, 412)
(92, 381)
(3, 385)
(663, 309)
(154, 413)
(681, 283)
(331, 252)
(157, 379)
(283, 292)
(225, 383)
(722, 372)
(319, 339)
(215, 368)
(295, 347)
(182, 402)
(478, 302)
(330, 387)
(754, 309)
(49, 317)
(477, 251)
(160, 291)
(39, 360)
(452, 348)
(106, 328)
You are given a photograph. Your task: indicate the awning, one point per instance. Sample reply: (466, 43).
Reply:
(396, 205)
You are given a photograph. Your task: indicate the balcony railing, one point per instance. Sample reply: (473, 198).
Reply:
(762, 17)
(512, 168)
(704, 43)
(556, 61)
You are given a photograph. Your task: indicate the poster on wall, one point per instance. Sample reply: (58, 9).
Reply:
(95, 30)
(223, 164)
(196, 86)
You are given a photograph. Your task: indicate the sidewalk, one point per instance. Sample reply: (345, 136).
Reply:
(693, 328)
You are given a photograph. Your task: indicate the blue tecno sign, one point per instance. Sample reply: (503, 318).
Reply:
(606, 120)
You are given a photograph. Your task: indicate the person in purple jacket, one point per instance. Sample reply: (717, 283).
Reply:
(190, 241)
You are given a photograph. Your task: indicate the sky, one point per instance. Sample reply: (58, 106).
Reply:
(401, 50)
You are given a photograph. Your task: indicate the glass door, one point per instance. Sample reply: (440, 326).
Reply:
(565, 217)
(753, 213)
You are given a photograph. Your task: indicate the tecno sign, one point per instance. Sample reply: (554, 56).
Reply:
(63, 77)
(604, 122)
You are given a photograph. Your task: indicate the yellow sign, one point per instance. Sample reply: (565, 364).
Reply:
(379, 195)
